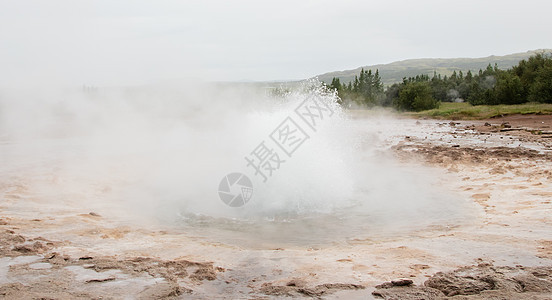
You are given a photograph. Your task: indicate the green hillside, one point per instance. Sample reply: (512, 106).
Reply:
(394, 72)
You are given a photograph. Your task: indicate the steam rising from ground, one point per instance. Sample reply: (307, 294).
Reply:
(160, 153)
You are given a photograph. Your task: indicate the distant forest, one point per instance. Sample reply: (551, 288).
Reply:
(529, 81)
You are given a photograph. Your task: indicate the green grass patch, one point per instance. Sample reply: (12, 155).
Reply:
(466, 111)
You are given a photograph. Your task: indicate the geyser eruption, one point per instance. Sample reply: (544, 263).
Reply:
(298, 156)
(157, 155)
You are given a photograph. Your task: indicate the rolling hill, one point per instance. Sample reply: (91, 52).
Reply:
(394, 72)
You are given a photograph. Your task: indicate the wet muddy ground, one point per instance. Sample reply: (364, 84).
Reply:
(501, 168)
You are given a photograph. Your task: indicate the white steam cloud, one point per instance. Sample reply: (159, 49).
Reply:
(159, 153)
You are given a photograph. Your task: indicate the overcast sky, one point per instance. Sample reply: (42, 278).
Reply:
(135, 42)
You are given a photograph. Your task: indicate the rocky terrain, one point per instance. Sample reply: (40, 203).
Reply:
(502, 168)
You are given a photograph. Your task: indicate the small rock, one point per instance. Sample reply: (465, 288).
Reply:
(296, 282)
(111, 278)
(402, 282)
(22, 249)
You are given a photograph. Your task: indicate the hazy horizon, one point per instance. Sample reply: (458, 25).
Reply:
(103, 43)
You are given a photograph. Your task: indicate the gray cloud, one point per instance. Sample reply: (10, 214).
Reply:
(134, 42)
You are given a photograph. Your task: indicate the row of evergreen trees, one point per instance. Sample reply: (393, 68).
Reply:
(529, 81)
(365, 89)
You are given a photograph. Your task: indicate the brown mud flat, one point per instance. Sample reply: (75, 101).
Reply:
(59, 283)
(504, 164)
(534, 126)
(541, 122)
(295, 288)
(506, 253)
(483, 281)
